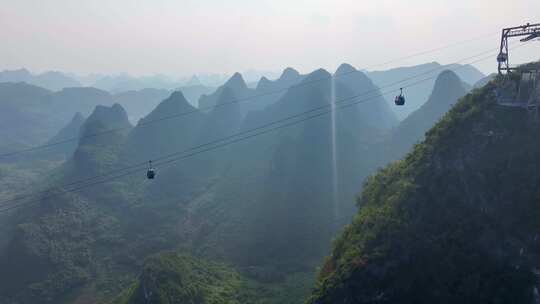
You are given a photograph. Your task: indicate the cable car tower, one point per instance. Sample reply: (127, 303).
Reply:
(520, 86)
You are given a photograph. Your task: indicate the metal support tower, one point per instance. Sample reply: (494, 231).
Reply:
(529, 31)
(522, 89)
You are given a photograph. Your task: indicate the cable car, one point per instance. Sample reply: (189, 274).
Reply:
(502, 57)
(151, 173)
(400, 100)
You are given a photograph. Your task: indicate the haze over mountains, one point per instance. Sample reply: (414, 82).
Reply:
(269, 152)
(223, 203)
(53, 109)
(53, 81)
(418, 93)
(243, 204)
(154, 87)
(56, 80)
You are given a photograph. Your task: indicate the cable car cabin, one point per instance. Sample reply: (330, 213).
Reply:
(400, 100)
(151, 173)
(502, 57)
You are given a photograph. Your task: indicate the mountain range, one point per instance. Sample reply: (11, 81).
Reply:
(240, 205)
(264, 94)
(53, 81)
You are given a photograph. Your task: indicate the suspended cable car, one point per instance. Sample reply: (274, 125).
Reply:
(502, 57)
(151, 173)
(400, 100)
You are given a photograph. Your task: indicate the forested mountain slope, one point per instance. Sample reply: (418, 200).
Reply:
(455, 221)
(175, 278)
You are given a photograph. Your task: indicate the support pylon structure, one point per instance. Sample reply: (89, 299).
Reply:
(520, 86)
(528, 31)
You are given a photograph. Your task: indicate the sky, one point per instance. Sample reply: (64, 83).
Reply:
(186, 37)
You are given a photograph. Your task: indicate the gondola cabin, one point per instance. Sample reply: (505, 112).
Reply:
(400, 99)
(150, 173)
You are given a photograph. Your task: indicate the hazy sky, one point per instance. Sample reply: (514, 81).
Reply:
(222, 36)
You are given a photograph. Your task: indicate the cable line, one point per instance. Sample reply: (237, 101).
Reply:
(163, 160)
(435, 49)
(144, 164)
(234, 101)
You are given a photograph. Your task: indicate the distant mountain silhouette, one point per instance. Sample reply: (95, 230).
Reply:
(53, 81)
(418, 94)
(193, 92)
(253, 76)
(264, 94)
(21, 75)
(139, 103)
(210, 80)
(482, 82)
(25, 119)
(193, 81)
(288, 78)
(68, 101)
(66, 149)
(235, 84)
(275, 89)
(31, 115)
(123, 83)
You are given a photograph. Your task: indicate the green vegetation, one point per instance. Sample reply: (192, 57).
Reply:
(266, 207)
(179, 278)
(456, 221)
(174, 278)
